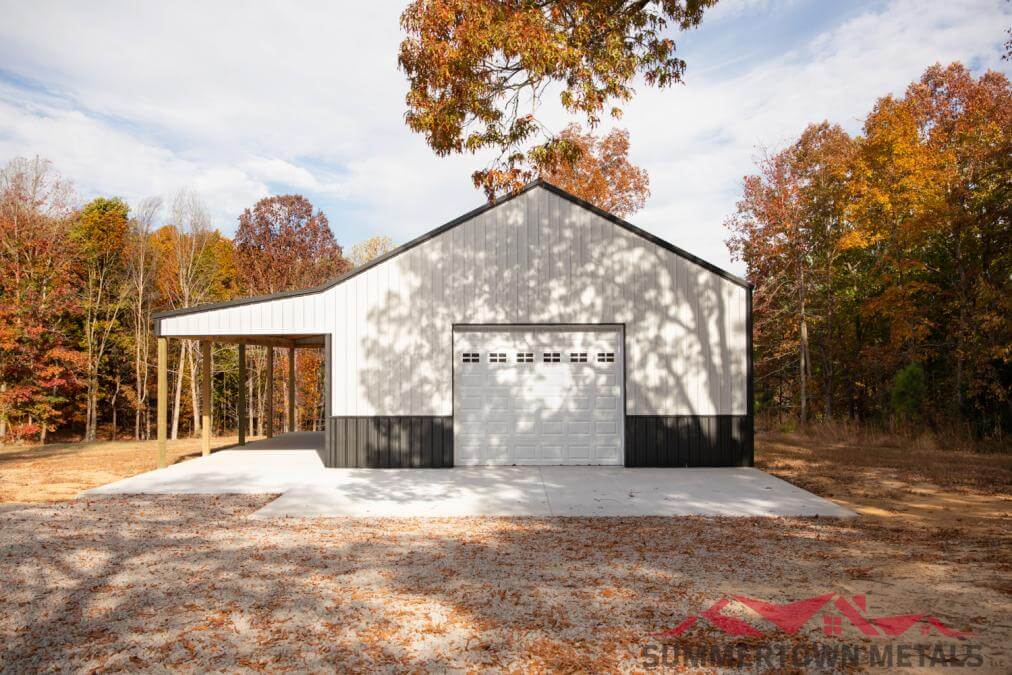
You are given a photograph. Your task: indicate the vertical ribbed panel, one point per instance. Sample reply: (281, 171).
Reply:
(391, 442)
(688, 440)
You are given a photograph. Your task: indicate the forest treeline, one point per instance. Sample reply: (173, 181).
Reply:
(80, 285)
(882, 263)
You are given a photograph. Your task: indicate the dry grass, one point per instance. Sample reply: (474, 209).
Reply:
(41, 473)
(915, 486)
(191, 583)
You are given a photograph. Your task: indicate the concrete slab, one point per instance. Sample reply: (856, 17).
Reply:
(267, 466)
(226, 472)
(610, 491)
(500, 491)
(551, 491)
(309, 489)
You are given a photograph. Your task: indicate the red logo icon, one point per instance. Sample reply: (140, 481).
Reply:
(791, 616)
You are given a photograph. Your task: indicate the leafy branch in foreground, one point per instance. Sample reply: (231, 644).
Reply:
(477, 71)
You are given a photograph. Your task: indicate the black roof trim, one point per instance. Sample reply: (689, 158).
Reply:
(448, 226)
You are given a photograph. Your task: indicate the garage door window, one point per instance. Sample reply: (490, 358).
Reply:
(553, 357)
(525, 357)
(578, 357)
(471, 357)
(496, 357)
(606, 357)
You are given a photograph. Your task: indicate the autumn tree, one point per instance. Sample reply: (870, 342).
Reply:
(965, 125)
(822, 163)
(40, 363)
(771, 238)
(370, 249)
(283, 243)
(99, 234)
(883, 261)
(477, 71)
(141, 260)
(598, 170)
(189, 273)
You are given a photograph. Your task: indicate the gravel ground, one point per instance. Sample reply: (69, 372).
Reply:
(191, 583)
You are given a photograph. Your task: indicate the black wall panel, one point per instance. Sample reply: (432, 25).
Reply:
(391, 442)
(650, 440)
(688, 440)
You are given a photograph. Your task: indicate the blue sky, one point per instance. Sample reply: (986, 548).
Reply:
(240, 100)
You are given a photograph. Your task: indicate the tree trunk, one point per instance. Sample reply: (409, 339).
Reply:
(257, 404)
(249, 399)
(194, 393)
(91, 415)
(115, 395)
(179, 391)
(260, 404)
(803, 367)
(140, 387)
(831, 345)
(138, 365)
(960, 333)
(3, 414)
(284, 397)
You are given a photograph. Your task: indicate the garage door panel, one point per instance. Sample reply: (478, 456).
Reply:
(515, 409)
(605, 428)
(528, 406)
(551, 452)
(472, 404)
(606, 455)
(606, 402)
(578, 427)
(579, 452)
(467, 453)
(553, 427)
(526, 428)
(526, 453)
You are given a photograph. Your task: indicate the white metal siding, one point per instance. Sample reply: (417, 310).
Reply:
(537, 258)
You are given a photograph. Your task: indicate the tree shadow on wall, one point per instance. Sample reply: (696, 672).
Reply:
(538, 259)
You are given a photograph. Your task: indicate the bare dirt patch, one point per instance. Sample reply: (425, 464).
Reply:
(899, 485)
(42, 473)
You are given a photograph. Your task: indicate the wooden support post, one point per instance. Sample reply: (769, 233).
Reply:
(163, 402)
(205, 398)
(269, 408)
(242, 395)
(291, 389)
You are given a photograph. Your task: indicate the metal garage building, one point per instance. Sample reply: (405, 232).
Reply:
(537, 329)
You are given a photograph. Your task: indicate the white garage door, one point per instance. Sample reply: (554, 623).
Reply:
(540, 396)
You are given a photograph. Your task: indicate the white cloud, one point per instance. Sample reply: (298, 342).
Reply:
(145, 98)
